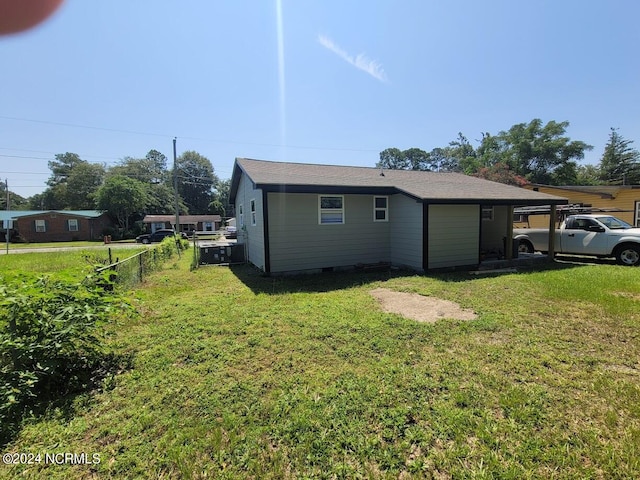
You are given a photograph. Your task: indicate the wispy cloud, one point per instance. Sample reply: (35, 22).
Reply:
(360, 61)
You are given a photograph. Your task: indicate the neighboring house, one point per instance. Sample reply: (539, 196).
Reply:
(300, 217)
(188, 223)
(622, 201)
(58, 225)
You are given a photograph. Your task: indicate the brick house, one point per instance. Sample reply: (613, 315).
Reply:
(59, 225)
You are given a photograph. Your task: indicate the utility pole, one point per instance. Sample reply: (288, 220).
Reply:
(175, 185)
(175, 188)
(8, 220)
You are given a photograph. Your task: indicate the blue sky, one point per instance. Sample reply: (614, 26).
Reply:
(311, 81)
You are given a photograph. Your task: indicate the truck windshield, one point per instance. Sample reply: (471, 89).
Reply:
(613, 223)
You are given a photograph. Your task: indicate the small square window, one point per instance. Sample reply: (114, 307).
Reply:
(487, 213)
(41, 226)
(73, 224)
(380, 209)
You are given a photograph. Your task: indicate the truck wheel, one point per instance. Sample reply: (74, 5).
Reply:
(628, 255)
(524, 246)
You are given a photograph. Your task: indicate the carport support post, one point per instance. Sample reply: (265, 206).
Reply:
(552, 230)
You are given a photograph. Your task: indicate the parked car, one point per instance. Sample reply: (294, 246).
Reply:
(157, 236)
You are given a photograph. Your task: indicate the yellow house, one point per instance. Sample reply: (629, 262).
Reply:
(622, 201)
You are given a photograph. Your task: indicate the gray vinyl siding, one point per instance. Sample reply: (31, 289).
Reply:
(298, 242)
(252, 236)
(453, 235)
(494, 231)
(405, 216)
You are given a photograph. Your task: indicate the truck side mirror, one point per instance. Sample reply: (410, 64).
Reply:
(595, 228)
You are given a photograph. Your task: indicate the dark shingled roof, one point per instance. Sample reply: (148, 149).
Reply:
(437, 187)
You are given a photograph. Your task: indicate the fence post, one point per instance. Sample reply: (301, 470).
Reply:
(140, 266)
(110, 259)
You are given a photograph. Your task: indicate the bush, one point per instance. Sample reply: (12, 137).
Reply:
(50, 341)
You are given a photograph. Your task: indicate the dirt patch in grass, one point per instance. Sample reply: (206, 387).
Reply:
(419, 307)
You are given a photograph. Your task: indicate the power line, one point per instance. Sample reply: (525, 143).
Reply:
(230, 142)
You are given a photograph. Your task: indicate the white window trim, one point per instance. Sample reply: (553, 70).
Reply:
(252, 211)
(637, 213)
(378, 209)
(330, 210)
(74, 222)
(241, 215)
(41, 226)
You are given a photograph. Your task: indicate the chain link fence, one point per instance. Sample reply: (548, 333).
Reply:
(132, 270)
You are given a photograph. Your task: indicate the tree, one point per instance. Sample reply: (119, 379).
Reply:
(541, 154)
(531, 151)
(151, 169)
(220, 199)
(121, 197)
(62, 167)
(72, 183)
(16, 202)
(501, 173)
(82, 183)
(588, 175)
(410, 159)
(161, 199)
(392, 159)
(460, 156)
(195, 181)
(620, 163)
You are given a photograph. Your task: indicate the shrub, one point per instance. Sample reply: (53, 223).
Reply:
(50, 341)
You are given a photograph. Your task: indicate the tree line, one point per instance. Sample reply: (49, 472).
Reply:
(131, 188)
(526, 153)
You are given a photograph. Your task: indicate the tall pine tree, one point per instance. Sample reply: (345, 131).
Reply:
(620, 163)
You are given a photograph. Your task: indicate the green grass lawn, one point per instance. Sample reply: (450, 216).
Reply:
(68, 263)
(239, 376)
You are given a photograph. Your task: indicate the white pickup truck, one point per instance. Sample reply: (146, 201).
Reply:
(591, 235)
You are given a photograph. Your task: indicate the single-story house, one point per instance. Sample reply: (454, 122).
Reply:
(622, 201)
(58, 225)
(188, 223)
(295, 217)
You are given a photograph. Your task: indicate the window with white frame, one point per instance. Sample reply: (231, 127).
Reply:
(252, 210)
(638, 214)
(380, 209)
(241, 215)
(208, 226)
(41, 226)
(330, 209)
(72, 224)
(487, 213)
